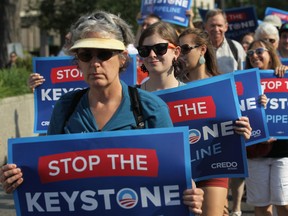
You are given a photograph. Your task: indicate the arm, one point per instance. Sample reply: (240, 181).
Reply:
(190, 16)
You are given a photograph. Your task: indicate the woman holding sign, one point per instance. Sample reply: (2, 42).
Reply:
(163, 66)
(99, 46)
(200, 58)
(267, 183)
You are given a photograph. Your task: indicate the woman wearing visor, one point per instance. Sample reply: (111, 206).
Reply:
(99, 46)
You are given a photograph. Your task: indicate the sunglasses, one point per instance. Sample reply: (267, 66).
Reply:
(102, 55)
(258, 51)
(159, 49)
(271, 40)
(185, 48)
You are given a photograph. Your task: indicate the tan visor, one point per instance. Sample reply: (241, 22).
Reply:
(99, 43)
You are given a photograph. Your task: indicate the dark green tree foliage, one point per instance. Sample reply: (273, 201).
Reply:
(127, 10)
(10, 27)
(59, 15)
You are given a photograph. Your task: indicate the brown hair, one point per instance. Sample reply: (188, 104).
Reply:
(167, 32)
(271, 50)
(252, 34)
(202, 38)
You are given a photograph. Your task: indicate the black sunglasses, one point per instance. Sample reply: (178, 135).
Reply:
(102, 55)
(258, 51)
(159, 49)
(186, 48)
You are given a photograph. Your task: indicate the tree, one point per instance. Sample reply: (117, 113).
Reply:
(128, 10)
(59, 15)
(10, 26)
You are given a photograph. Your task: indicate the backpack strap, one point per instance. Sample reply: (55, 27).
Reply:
(233, 49)
(134, 98)
(75, 100)
(136, 106)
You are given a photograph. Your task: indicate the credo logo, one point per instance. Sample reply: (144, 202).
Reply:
(45, 123)
(225, 165)
(127, 198)
(194, 136)
(256, 133)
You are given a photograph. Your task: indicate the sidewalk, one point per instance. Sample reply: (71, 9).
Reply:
(247, 210)
(6, 204)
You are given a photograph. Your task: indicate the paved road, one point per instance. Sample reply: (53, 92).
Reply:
(7, 205)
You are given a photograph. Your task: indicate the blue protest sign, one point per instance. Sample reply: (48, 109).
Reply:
(104, 173)
(129, 76)
(209, 107)
(274, 11)
(284, 61)
(240, 21)
(276, 90)
(170, 11)
(248, 87)
(61, 76)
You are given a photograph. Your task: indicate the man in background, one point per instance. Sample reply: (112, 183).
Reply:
(229, 53)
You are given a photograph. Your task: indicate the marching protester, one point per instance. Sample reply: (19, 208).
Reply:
(148, 20)
(268, 32)
(159, 47)
(267, 183)
(99, 47)
(230, 54)
(246, 40)
(283, 41)
(199, 56)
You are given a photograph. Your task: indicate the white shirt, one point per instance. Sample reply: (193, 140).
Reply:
(225, 58)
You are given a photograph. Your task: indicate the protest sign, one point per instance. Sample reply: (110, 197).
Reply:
(248, 87)
(61, 76)
(276, 90)
(240, 21)
(280, 13)
(209, 107)
(169, 11)
(103, 173)
(284, 61)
